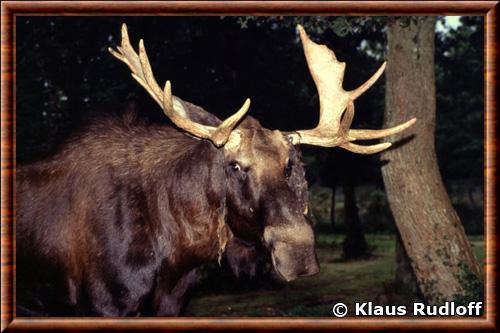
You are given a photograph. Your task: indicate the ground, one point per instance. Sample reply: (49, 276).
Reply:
(338, 281)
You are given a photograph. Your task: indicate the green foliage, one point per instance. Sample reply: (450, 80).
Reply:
(460, 104)
(317, 25)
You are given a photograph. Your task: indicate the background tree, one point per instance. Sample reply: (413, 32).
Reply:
(431, 232)
(459, 117)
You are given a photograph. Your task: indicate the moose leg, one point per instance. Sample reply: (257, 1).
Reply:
(173, 302)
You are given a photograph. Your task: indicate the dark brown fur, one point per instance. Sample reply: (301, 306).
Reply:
(119, 221)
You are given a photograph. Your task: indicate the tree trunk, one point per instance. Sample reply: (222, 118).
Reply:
(354, 245)
(332, 207)
(431, 232)
(405, 277)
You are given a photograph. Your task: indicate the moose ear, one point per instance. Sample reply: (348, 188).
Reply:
(196, 113)
(180, 107)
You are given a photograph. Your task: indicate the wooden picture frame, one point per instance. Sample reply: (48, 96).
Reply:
(10, 9)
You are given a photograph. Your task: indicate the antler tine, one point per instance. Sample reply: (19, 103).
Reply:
(196, 129)
(353, 94)
(222, 133)
(366, 134)
(141, 71)
(333, 130)
(370, 149)
(126, 54)
(147, 72)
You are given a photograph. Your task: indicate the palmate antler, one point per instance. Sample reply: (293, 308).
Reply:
(334, 126)
(141, 71)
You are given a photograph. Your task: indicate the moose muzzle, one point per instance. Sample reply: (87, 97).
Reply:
(292, 250)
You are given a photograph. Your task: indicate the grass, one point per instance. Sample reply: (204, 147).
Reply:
(338, 281)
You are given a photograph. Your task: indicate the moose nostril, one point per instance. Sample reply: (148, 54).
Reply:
(309, 270)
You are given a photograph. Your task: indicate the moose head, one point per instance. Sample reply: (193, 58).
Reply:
(266, 191)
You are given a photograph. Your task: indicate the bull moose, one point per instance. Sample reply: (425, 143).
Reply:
(118, 222)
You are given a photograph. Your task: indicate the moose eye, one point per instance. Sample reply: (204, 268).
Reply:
(288, 169)
(234, 166)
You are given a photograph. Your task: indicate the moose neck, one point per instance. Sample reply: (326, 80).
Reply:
(191, 202)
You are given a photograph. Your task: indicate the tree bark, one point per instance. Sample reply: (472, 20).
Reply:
(431, 232)
(405, 277)
(332, 207)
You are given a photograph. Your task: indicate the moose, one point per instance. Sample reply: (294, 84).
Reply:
(119, 221)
